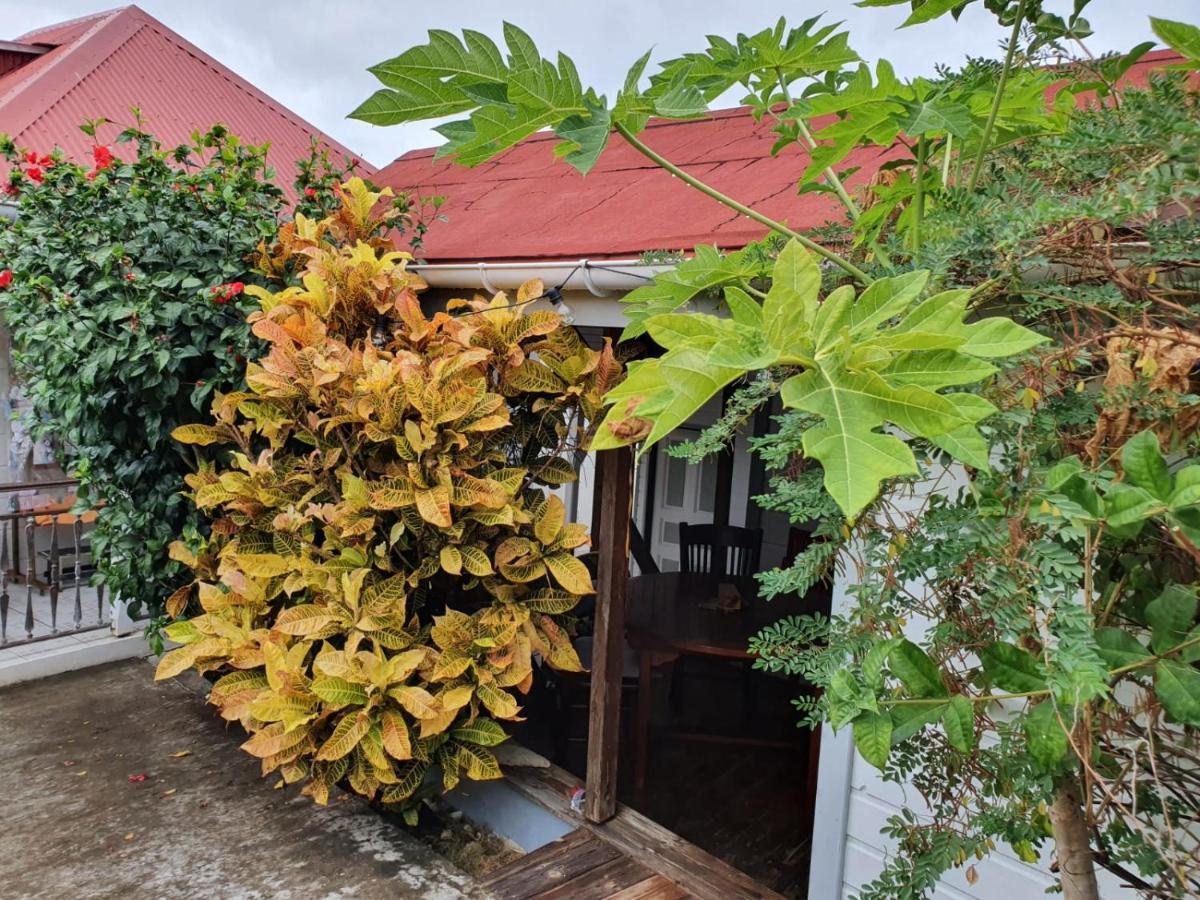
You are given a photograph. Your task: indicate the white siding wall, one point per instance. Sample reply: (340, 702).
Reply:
(854, 804)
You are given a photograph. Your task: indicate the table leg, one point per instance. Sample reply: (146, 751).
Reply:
(642, 737)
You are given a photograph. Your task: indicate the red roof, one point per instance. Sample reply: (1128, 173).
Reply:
(101, 65)
(526, 205)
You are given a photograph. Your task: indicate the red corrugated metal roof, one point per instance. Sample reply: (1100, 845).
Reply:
(525, 205)
(102, 65)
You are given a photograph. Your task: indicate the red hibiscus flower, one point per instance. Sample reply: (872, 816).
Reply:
(35, 174)
(5, 278)
(31, 157)
(102, 156)
(310, 192)
(46, 161)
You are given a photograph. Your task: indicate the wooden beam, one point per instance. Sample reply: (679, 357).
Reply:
(723, 492)
(758, 470)
(614, 471)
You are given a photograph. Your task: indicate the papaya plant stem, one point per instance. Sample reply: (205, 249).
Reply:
(919, 198)
(986, 137)
(778, 227)
(831, 177)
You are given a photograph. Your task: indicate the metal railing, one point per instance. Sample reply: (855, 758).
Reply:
(45, 557)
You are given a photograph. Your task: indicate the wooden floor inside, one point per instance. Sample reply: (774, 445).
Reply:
(579, 866)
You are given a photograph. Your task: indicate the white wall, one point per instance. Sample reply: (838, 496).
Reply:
(854, 804)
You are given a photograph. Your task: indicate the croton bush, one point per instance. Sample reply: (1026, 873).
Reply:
(124, 296)
(386, 556)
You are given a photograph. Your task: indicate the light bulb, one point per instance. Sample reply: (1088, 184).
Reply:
(568, 315)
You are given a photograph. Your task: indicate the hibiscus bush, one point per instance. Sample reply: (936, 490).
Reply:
(123, 290)
(386, 556)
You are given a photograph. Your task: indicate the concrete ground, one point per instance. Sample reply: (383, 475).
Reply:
(79, 820)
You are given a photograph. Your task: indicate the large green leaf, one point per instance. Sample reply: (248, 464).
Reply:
(1170, 616)
(1144, 465)
(508, 99)
(959, 722)
(918, 673)
(792, 302)
(872, 365)
(1044, 732)
(1178, 687)
(1178, 36)
(1118, 647)
(1012, 669)
(706, 270)
(873, 737)
(856, 458)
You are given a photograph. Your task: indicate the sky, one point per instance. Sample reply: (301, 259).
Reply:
(312, 55)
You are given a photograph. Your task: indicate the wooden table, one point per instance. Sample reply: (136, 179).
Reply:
(664, 620)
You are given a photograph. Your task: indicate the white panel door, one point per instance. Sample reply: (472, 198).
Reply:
(684, 493)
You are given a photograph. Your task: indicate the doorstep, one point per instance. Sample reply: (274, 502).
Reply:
(629, 856)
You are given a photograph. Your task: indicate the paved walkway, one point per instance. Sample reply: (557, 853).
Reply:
(79, 820)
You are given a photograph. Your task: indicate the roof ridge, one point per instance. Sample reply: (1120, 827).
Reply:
(243, 84)
(78, 20)
(63, 52)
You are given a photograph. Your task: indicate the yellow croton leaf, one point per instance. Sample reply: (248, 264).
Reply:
(570, 572)
(373, 468)
(350, 729)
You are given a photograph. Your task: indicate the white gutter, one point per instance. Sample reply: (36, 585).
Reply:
(600, 278)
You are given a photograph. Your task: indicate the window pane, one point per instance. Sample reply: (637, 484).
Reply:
(670, 532)
(676, 481)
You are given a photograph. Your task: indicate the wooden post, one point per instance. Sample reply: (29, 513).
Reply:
(614, 470)
(723, 489)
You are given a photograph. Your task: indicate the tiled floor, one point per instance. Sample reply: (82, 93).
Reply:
(18, 603)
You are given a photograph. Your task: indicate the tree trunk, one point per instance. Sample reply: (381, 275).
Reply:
(1075, 866)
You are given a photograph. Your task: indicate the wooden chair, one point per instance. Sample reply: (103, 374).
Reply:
(719, 549)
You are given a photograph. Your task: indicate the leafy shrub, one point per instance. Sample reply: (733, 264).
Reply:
(385, 557)
(125, 306)
(1051, 575)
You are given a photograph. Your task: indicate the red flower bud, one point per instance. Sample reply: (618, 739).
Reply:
(5, 278)
(310, 192)
(129, 276)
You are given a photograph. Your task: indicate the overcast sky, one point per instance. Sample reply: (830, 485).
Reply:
(312, 55)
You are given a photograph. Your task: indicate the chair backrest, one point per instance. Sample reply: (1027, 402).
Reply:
(719, 549)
